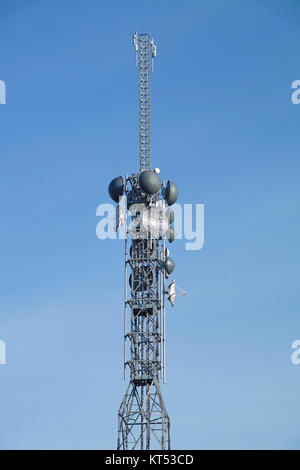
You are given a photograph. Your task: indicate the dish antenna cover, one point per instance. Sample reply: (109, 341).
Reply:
(171, 234)
(169, 265)
(149, 182)
(171, 193)
(116, 188)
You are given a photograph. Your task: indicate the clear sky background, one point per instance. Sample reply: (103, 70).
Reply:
(225, 130)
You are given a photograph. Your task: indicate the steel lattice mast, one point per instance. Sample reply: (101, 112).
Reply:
(143, 421)
(144, 88)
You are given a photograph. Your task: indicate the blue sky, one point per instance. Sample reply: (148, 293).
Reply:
(224, 129)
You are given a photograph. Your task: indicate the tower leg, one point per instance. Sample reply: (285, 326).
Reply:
(143, 413)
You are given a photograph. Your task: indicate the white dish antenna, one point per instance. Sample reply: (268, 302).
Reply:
(174, 291)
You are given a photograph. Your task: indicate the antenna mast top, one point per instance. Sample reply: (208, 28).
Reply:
(142, 45)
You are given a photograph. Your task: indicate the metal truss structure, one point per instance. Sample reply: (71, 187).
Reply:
(143, 421)
(144, 92)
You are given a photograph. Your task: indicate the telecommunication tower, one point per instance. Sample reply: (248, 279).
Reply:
(143, 421)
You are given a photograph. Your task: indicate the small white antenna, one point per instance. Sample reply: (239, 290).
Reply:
(153, 52)
(118, 218)
(135, 43)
